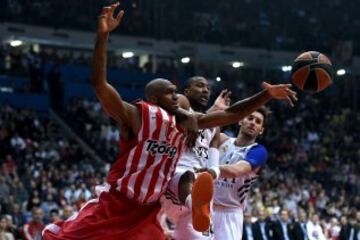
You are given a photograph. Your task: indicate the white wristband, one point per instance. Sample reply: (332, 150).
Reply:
(213, 162)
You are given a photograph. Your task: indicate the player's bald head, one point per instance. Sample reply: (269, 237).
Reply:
(156, 87)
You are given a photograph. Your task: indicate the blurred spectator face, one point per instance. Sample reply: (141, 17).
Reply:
(37, 214)
(247, 217)
(262, 215)
(358, 216)
(315, 218)
(54, 216)
(334, 222)
(284, 215)
(343, 220)
(302, 216)
(68, 211)
(3, 224)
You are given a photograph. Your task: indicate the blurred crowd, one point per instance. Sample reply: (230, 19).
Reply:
(312, 174)
(44, 176)
(251, 23)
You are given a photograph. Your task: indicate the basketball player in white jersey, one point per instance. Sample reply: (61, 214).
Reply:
(178, 199)
(240, 161)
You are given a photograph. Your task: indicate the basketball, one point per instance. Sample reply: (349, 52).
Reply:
(312, 72)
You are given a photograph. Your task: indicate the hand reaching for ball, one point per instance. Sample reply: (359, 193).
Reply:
(281, 92)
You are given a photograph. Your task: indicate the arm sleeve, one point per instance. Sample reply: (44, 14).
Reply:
(257, 156)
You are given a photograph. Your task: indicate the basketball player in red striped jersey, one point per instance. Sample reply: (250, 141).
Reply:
(152, 140)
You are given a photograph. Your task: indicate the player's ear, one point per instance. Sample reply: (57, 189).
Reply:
(262, 131)
(153, 99)
(240, 122)
(186, 91)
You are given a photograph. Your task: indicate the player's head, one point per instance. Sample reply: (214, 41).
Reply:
(163, 93)
(253, 125)
(197, 90)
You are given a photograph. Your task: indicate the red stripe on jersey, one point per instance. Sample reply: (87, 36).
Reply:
(150, 159)
(168, 164)
(155, 176)
(143, 134)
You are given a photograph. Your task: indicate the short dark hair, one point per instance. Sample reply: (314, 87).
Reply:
(265, 112)
(190, 81)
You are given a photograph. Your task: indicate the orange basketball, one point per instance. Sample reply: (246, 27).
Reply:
(312, 72)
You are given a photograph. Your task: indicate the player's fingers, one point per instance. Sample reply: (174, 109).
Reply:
(223, 92)
(228, 93)
(291, 91)
(105, 10)
(120, 15)
(290, 101)
(294, 97)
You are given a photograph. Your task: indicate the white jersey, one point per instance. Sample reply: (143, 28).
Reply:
(199, 154)
(233, 192)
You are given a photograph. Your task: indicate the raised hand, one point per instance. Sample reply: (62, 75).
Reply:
(222, 102)
(106, 21)
(281, 92)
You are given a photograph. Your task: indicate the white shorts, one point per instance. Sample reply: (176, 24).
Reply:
(170, 203)
(228, 223)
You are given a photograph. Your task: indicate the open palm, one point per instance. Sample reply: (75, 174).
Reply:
(281, 92)
(107, 22)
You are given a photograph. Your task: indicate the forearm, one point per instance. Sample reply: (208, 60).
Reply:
(234, 170)
(98, 77)
(247, 106)
(235, 112)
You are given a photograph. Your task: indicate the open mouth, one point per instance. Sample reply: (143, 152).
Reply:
(204, 98)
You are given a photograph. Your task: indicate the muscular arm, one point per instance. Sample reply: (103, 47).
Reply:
(123, 112)
(235, 170)
(235, 112)
(254, 159)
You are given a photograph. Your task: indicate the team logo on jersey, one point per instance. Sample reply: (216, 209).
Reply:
(163, 148)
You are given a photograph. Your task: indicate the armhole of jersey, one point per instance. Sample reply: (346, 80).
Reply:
(229, 140)
(144, 108)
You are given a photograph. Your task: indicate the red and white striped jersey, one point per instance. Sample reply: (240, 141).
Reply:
(145, 165)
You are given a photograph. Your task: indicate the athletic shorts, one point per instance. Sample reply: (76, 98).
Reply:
(111, 216)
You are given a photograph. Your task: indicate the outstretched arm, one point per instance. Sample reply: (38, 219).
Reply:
(111, 101)
(242, 108)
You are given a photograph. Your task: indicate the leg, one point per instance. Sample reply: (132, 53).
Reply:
(185, 186)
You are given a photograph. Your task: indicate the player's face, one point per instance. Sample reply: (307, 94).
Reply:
(198, 92)
(252, 125)
(168, 99)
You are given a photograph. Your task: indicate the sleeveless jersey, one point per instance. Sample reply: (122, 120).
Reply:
(198, 155)
(232, 192)
(146, 164)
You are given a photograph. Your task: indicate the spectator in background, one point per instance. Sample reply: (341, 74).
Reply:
(4, 234)
(248, 230)
(32, 230)
(262, 227)
(282, 228)
(67, 212)
(314, 229)
(54, 215)
(299, 231)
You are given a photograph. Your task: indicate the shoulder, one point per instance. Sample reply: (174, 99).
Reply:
(183, 102)
(259, 149)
